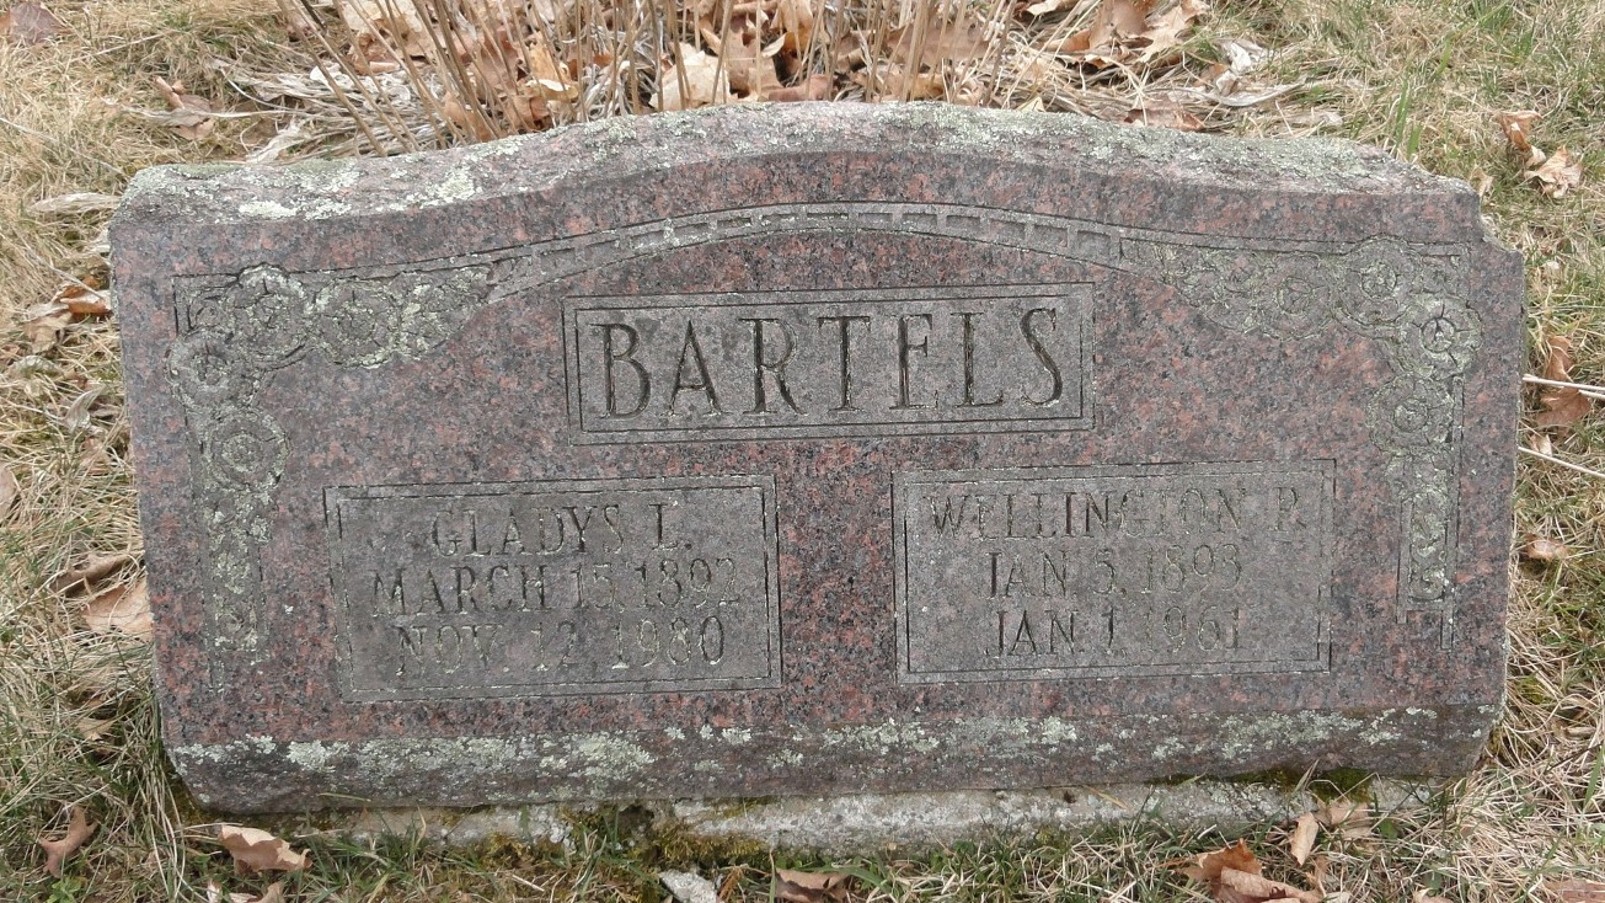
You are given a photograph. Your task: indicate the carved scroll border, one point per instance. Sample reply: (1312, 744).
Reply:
(236, 330)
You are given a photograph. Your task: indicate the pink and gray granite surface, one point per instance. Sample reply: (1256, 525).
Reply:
(817, 449)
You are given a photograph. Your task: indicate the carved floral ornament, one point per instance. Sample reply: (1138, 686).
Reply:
(239, 328)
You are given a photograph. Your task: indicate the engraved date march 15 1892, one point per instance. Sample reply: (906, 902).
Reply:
(558, 587)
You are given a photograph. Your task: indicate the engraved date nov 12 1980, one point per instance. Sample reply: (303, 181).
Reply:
(572, 586)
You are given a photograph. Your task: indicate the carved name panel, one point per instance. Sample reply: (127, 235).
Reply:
(1113, 571)
(817, 449)
(829, 363)
(600, 586)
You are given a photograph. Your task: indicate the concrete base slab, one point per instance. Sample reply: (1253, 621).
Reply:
(845, 825)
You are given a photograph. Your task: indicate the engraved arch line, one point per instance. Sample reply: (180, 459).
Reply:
(1088, 241)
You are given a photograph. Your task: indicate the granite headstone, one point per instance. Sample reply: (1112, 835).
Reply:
(817, 449)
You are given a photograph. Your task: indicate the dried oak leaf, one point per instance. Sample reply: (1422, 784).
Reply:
(810, 887)
(255, 850)
(1558, 174)
(1349, 819)
(45, 325)
(1517, 126)
(795, 19)
(273, 894)
(1575, 890)
(1303, 838)
(817, 87)
(82, 301)
(1205, 868)
(928, 48)
(1163, 114)
(28, 23)
(696, 80)
(76, 203)
(299, 25)
(1248, 887)
(97, 568)
(1165, 31)
(191, 115)
(78, 831)
(121, 609)
(10, 490)
(1541, 548)
(1125, 32)
(548, 78)
(1563, 405)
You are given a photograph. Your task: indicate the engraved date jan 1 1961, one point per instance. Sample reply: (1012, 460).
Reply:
(1124, 570)
(558, 587)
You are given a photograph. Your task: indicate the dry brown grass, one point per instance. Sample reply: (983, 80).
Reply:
(1420, 77)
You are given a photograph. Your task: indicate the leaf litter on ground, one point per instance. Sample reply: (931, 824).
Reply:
(121, 609)
(58, 849)
(1302, 841)
(91, 571)
(792, 886)
(28, 23)
(1563, 405)
(1234, 875)
(255, 850)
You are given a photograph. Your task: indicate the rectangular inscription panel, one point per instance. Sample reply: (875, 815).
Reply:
(571, 586)
(828, 363)
(1124, 570)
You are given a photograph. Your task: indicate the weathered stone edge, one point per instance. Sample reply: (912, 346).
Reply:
(223, 193)
(608, 765)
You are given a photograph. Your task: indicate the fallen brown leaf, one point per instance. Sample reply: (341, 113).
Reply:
(1096, 43)
(696, 81)
(10, 490)
(76, 418)
(1319, 867)
(1166, 31)
(1558, 174)
(1212, 869)
(57, 851)
(1132, 32)
(549, 78)
(1165, 115)
(83, 301)
(255, 850)
(45, 327)
(298, 24)
(810, 887)
(1575, 890)
(273, 894)
(191, 115)
(1517, 125)
(75, 204)
(817, 87)
(94, 569)
(1540, 548)
(1563, 405)
(1303, 839)
(28, 23)
(94, 728)
(895, 80)
(121, 609)
(1249, 887)
(1350, 819)
(958, 41)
